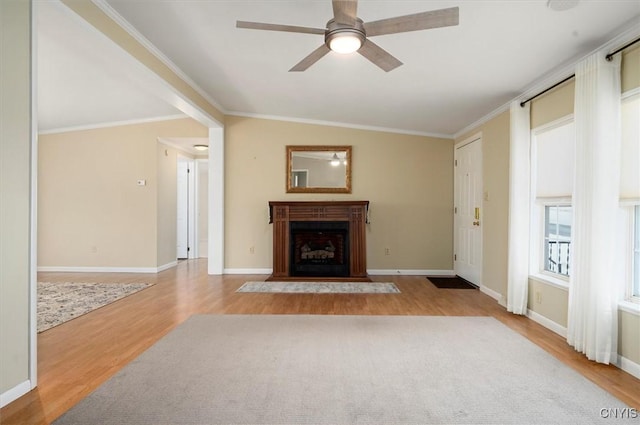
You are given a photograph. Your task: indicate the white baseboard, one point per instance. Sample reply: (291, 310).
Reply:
(628, 366)
(247, 271)
(623, 363)
(547, 323)
(410, 272)
(15, 393)
(493, 294)
(107, 269)
(166, 266)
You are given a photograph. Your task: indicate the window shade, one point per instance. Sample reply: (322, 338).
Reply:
(555, 151)
(630, 163)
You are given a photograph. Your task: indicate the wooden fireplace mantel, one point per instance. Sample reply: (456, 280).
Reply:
(281, 213)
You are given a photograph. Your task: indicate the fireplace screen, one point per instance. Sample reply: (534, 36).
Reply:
(319, 249)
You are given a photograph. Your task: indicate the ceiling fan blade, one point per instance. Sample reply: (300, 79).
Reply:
(418, 21)
(314, 57)
(277, 27)
(379, 56)
(344, 11)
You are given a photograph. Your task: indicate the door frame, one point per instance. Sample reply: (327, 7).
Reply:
(190, 203)
(475, 138)
(200, 164)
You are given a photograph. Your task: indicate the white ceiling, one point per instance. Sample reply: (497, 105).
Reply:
(83, 79)
(451, 76)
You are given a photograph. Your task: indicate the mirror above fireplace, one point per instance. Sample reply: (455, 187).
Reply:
(319, 169)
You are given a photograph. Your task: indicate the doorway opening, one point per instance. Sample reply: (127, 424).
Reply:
(185, 214)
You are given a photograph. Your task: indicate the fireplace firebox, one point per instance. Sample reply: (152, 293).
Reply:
(319, 240)
(319, 248)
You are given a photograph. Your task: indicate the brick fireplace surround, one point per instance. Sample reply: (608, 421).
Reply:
(354, 213)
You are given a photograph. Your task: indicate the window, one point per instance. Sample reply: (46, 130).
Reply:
(552, 169)
(557, 239)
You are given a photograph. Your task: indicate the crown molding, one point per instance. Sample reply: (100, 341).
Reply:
(111, 124)
(629, 94)
(340, 124)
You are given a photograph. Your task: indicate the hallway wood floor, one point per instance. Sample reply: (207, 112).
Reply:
(76, 357)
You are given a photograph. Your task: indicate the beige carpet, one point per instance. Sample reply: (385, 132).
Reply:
(290, 369)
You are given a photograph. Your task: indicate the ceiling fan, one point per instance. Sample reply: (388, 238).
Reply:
(346, 33)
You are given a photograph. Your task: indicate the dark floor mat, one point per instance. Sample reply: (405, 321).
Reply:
(453, 282)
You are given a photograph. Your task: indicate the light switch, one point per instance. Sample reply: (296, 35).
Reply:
(142, 182)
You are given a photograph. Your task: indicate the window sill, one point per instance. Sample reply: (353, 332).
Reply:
(550, 280)
(629, 307)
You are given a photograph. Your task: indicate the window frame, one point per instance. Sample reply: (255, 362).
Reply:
(544, 237)
(538, 238)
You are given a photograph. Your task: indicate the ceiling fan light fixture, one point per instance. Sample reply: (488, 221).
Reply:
(562, 5)
(345, 42)
(335, 161)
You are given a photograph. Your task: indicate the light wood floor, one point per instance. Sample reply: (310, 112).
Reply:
(76, 357)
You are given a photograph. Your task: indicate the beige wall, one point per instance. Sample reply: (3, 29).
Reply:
(167, 190)
(549, 301)
(631, 68)
(495, 176)
(407, 179)
(629, 336)
(15, 192)
(92, 213)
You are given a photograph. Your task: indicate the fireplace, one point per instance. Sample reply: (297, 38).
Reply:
(319, 248)
(319, 240)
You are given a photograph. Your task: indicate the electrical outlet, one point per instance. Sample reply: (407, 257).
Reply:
(538, 297)
(387, 251)
(93, 249)
(252, 250)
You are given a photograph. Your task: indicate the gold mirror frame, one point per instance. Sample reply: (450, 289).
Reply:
(327, 151)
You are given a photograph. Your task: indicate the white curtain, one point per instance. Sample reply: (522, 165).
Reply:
(519, 213)
(593, 286)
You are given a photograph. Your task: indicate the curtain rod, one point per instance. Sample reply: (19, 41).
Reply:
(544, 91)
(608, 57)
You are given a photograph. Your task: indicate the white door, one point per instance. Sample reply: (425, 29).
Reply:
(182, 213)
(468, 210)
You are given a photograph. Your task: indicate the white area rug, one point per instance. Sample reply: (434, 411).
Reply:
(61, 302)
(292, 369)
(321, 287)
